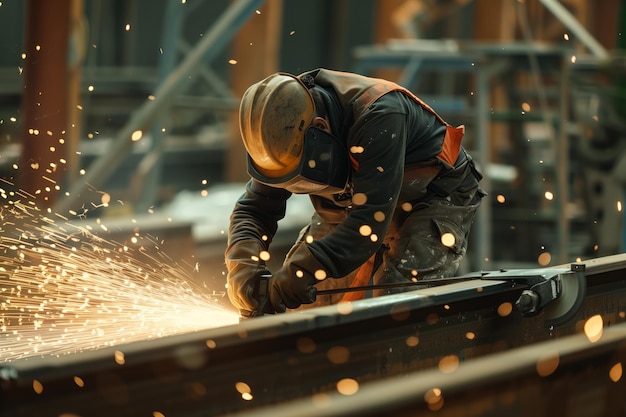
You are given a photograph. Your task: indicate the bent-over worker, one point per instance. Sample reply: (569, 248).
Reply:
(394, 192)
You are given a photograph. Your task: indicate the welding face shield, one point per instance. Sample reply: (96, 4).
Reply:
(323, 168)
(284, 149)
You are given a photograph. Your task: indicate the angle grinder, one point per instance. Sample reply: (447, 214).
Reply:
(557, 292)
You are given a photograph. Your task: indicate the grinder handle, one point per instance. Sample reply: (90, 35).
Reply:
(261, 295)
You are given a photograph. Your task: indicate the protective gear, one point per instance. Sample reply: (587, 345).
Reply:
(358, 93)
(273, 118)
(244, 271)
(392, 126)
(261, 295)
(323, 168)
(295, 283)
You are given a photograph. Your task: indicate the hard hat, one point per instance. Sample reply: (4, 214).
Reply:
(273, 117)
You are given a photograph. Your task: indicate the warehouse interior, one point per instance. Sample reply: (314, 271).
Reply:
(119, 119)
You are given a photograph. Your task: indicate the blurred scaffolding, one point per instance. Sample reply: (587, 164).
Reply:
(146, 106)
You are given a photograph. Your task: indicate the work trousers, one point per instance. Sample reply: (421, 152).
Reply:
(425, 242)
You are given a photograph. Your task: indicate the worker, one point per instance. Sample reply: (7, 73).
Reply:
(394, 193)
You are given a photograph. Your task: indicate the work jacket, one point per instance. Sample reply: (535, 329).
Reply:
(401, 152)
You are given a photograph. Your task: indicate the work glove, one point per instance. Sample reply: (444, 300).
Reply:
(245, 270)
(294, 283)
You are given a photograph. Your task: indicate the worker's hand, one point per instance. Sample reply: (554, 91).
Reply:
(295, 283)
(244, 272)
(261, 295)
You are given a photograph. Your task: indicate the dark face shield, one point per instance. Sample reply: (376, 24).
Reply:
(323, 169)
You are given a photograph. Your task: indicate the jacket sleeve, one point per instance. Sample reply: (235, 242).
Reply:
(256, 214)
(253, 224)
(377, 146)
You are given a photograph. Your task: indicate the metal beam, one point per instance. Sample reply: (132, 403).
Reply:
(504, 383)
(207, 49)
(148, 173)
(270, 360)
(570, 22)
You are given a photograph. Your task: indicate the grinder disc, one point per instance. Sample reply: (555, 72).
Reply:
(573, 289)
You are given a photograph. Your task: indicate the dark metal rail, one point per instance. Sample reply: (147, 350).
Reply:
(569, 376)
(271, 360)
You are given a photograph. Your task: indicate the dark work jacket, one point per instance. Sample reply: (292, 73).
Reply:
(387, 131)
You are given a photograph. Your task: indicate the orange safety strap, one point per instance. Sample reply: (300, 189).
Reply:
(451, 145)
(354, 162)
(361, 278)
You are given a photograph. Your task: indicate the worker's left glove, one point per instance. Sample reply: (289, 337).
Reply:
(294, 283)
(244, 275)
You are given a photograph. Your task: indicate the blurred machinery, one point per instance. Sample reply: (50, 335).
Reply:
(600, 150)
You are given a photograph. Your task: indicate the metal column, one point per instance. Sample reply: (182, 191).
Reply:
(150, 169)
(207, 48)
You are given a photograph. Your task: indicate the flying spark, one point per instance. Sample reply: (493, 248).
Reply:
(63, 289)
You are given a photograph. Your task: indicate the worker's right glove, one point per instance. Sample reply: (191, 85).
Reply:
(244, 272)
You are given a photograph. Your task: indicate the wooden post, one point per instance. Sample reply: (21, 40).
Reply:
(44, 99)
(255, 53)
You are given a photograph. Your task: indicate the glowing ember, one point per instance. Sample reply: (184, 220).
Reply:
(136, 135)
(64, 290)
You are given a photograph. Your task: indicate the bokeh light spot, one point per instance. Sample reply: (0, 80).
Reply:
(434, 399)
(412, 341)
(449, 364)
(347, 386)
(37, 387)
(448, 240)
(305, 345)
(137, 134)
(320, 275)
(338, 354)
(615, 373)
(544, 258)
(344, 308)
(547, 364)
(505, 309)
(593, 328)
(120, 358)
(359, 199)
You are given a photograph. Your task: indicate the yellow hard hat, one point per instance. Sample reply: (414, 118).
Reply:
(273, 117)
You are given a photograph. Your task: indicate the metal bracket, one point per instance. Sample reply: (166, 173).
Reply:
(543, 285)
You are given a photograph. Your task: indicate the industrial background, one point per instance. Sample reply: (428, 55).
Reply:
(537, 83)
(120, 161)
